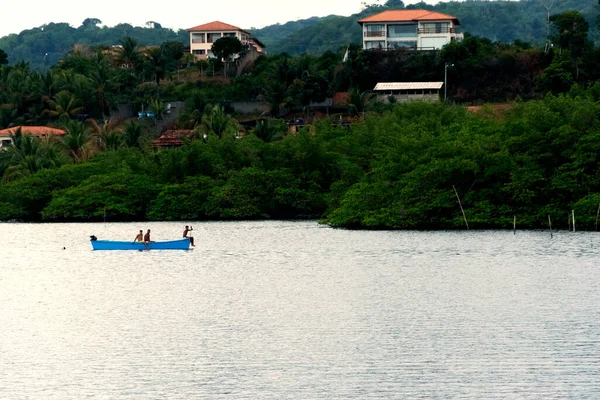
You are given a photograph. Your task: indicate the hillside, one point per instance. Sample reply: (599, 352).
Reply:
(500, 20)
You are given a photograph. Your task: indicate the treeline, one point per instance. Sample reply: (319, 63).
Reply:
(396, 169)
(499, 21)
(42, 47)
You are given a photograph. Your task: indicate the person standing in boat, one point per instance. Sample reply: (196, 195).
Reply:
(186, 232)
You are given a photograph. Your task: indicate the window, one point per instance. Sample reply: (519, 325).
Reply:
(199, 52)
(198, 38)
(229, 35)
(372, 44)
(436, 27)
(401, 31)
(402, 44)
(213, 37)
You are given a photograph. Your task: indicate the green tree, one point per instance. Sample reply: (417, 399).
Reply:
(64, 105)
(225, 48)
(3, 57)
(572, 35)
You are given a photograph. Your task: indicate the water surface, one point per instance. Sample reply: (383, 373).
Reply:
(295, 310)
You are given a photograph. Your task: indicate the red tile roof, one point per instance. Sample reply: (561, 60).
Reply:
(216, 26)
(172, 137)
(32, 130)
(408, 15)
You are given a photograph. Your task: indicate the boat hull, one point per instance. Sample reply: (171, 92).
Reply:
(182, 244)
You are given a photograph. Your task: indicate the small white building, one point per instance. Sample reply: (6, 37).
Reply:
(404, 92)
(412, 29)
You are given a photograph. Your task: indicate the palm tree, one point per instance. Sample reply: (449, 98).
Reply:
(217, 122)
(132, 134)
(77, 141)
(64, 105)
(267, 129)
(276, 95)
(129, 53)
(196, 106)
(109, 139)
(358, 101)
(26, 155)
(102, 82)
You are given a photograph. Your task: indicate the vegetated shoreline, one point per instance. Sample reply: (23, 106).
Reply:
(394, 170)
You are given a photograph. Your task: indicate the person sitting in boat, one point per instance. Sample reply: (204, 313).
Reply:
(147, 237)
(186, 232)
(139, 237)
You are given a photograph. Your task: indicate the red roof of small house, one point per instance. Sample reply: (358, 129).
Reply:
(173, 137)
(32, 130)
(216, 26)
(407, 16)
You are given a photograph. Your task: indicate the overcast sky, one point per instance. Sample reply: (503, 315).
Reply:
(177, 14)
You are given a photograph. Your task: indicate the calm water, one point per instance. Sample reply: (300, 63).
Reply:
(294, 310)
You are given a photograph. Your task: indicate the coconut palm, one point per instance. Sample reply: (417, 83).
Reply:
(28, 154)
(77, 141)
(276, 94)
(133, 134)
(64, 105)
(102, 82)
(108, 138)
(129, 53)
(217, 122)
(196, 106)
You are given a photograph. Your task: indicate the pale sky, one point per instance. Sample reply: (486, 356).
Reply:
(178, 14)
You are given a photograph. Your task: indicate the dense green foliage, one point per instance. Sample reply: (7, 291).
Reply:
(46, 45)
(393, 170)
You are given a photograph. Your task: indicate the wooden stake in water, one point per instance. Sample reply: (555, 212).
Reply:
(569, 218)
(515, 225)
(573, 213)
(550, 225)
(461, 207)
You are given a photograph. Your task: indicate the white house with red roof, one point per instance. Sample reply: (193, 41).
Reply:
(414, 29)
(203, 36)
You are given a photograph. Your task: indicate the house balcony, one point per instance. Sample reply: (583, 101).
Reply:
(198, 41)
(375, 34)
(428, 31)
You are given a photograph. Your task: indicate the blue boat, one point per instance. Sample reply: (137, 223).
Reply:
(181, 244)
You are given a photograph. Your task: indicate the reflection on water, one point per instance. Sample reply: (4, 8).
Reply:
(294, 310)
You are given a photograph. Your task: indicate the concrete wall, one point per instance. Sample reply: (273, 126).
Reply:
(404, 98)
(249, 107)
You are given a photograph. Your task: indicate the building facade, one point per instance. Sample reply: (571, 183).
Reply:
(203, 36)
(412, 29)
(402, 92)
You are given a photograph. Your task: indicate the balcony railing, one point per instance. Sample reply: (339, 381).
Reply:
(375, 34)
(425, 31)
(198, 41)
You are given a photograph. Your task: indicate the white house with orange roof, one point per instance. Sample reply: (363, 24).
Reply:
(203, 36)
(414, 29)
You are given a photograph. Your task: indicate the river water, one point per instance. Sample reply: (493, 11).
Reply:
(295, 310)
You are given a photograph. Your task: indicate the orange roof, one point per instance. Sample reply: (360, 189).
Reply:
(408, 15)
(32, 130)
(173, 137)
(216, 26)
